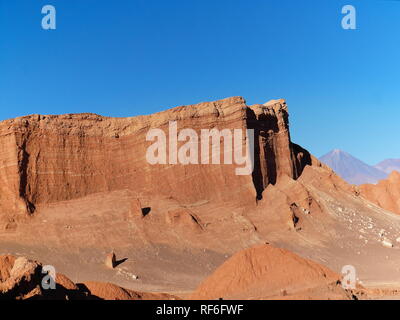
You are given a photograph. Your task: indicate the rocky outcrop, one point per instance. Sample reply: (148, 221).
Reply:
(111, 260)
(275, 154)
(385, 194)
(22, 279)
(183, 218)
(47, 159)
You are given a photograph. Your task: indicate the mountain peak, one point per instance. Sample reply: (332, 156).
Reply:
(389, 165)
(351, 169)
(338, 152)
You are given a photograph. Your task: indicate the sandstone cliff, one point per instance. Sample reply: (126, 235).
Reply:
(47, 159)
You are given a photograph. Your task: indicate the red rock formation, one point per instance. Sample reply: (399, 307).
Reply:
(386, 193)
(47, 159)
(21, 279)
(111, 260)
(136, 209)
(267, 272)
(183, 218)
(6, 264)
(65, 282)
(275, 153)
(92, 188)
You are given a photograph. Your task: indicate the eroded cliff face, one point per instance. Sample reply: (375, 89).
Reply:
(276, 155)
(46, 159)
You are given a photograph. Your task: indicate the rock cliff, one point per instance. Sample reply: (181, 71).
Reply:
(47, 159)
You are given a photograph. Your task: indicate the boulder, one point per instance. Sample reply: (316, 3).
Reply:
(111, 260)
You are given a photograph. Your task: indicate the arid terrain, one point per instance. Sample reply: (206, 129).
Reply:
(74, 188)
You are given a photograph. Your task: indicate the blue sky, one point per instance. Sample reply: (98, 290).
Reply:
(131, 57)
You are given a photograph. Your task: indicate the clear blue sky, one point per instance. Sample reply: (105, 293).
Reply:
(130, 57)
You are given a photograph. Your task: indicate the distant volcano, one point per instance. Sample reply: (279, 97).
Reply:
(352, 169)
(388, 165)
